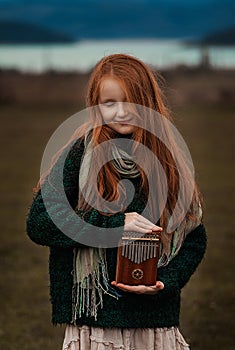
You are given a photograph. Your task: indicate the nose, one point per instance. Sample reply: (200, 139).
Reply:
(121, 111)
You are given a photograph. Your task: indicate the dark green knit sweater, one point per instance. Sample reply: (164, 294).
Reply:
(131, 310)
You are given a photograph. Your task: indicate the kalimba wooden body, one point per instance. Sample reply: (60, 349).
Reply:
(137, 258)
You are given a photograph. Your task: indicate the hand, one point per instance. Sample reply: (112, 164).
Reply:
(138, 223)
(140, 289)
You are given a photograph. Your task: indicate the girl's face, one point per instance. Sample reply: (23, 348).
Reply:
(114, 112)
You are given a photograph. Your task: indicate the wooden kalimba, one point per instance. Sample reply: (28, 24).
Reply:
(137, 258)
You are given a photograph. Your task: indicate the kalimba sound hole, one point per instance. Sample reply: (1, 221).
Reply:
(137, 274)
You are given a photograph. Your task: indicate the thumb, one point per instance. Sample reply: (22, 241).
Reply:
(159, 285)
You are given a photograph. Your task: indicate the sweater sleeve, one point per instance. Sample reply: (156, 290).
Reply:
(179, 270)
(72, 231)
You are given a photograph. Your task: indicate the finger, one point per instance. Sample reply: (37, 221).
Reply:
(124, 287)
(148, 226)
(119, 285)
(134, 227)
(159, 285)
(157, 228)
(131, 289)
(142, 227)
(145, 223)
(151, 290)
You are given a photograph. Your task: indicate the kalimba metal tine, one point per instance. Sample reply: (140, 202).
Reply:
(148, 250)
(143, 248)
(135, 251)
(132, 251)
(129, 250)
(145, 252)
(139, 248)
(152, 250)
(138, 251)
(123, 249)
(126, 250)
(155, 250)
(142, 251)
(139, 255)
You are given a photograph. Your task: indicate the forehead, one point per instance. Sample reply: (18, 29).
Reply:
(110, 88)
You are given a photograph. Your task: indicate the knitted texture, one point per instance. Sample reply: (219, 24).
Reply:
(131, 310)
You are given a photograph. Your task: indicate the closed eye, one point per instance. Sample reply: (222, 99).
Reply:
(109, 104)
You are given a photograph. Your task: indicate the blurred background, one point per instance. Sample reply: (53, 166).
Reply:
(47, 51)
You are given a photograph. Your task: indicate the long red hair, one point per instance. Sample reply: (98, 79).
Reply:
(141, 87)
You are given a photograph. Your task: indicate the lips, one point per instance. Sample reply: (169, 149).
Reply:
(123, 122)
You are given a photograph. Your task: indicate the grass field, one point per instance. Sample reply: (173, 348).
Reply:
(207, 316)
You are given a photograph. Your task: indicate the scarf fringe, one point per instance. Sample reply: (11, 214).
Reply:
(87, 294)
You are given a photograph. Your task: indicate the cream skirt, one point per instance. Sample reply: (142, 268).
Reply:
(95, 338)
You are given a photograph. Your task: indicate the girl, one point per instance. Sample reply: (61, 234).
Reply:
(100, 313)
